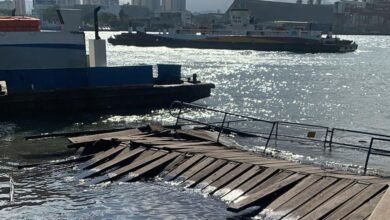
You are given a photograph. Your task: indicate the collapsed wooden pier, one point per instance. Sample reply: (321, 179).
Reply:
(192, 158)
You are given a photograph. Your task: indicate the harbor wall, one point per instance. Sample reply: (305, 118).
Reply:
(33, 80)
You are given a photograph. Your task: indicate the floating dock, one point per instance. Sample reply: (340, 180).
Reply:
(202, 160)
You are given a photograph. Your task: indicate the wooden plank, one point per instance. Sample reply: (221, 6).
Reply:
(304, 184)
(250, 184)
(186, 144)
(105, 136)
(183, 167)
(102, 156)
(364, 211)
(247, 201)
(312, 197)
(159, 163)
(238, 181)
(382, 210)
(195, 179)
(309, 194)
(335, 202)
(273, 179)
(125, 169)
(193, 170)
(218, 174)
(126, 155)
(176, 162)
(356, 201)
(305, 169)
(227, 178)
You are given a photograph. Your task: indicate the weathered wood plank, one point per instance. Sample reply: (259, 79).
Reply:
(105, 136)
(238, 181)
(230, 176)
(103, 155)
(356, 201)
(216, 175)
(193, 170)
(126, 155)
(175, 163)
(305, 183)
(313, 197)
(250, 184)
(125, 169)
(364, 211)
(195, 179)
(382, 210)
(159, 163)
(183, 167)
(335, 202)
(246, 201)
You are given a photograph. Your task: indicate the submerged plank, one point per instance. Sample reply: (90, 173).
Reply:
(246, 201)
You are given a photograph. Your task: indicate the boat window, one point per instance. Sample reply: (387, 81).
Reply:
(3, 88)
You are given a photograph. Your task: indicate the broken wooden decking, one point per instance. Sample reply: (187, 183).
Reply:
(241, 179)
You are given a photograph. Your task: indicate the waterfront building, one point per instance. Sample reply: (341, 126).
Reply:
(174, 5)
(7, 5)
(152, 5)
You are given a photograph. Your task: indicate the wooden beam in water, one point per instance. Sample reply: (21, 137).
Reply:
(172, 165)
(105, 136)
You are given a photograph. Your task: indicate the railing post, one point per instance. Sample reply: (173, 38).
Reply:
(326, 137)
(368, 156)
(276, 133)
(331, 140)
(220, 130)
(270, 135)
(178, 116)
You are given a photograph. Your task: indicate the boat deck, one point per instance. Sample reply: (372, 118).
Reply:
(277, 188)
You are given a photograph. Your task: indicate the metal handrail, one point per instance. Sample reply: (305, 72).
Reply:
(274, 131)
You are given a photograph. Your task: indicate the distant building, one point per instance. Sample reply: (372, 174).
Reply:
(68, 3)
(20, 7)
(264, 11)
(108, 6)
(152, 5)
(173, 5)
(7, 5)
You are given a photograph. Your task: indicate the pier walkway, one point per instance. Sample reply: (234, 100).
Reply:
(195, 159)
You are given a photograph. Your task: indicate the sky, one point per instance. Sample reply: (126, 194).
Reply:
(208, 5)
